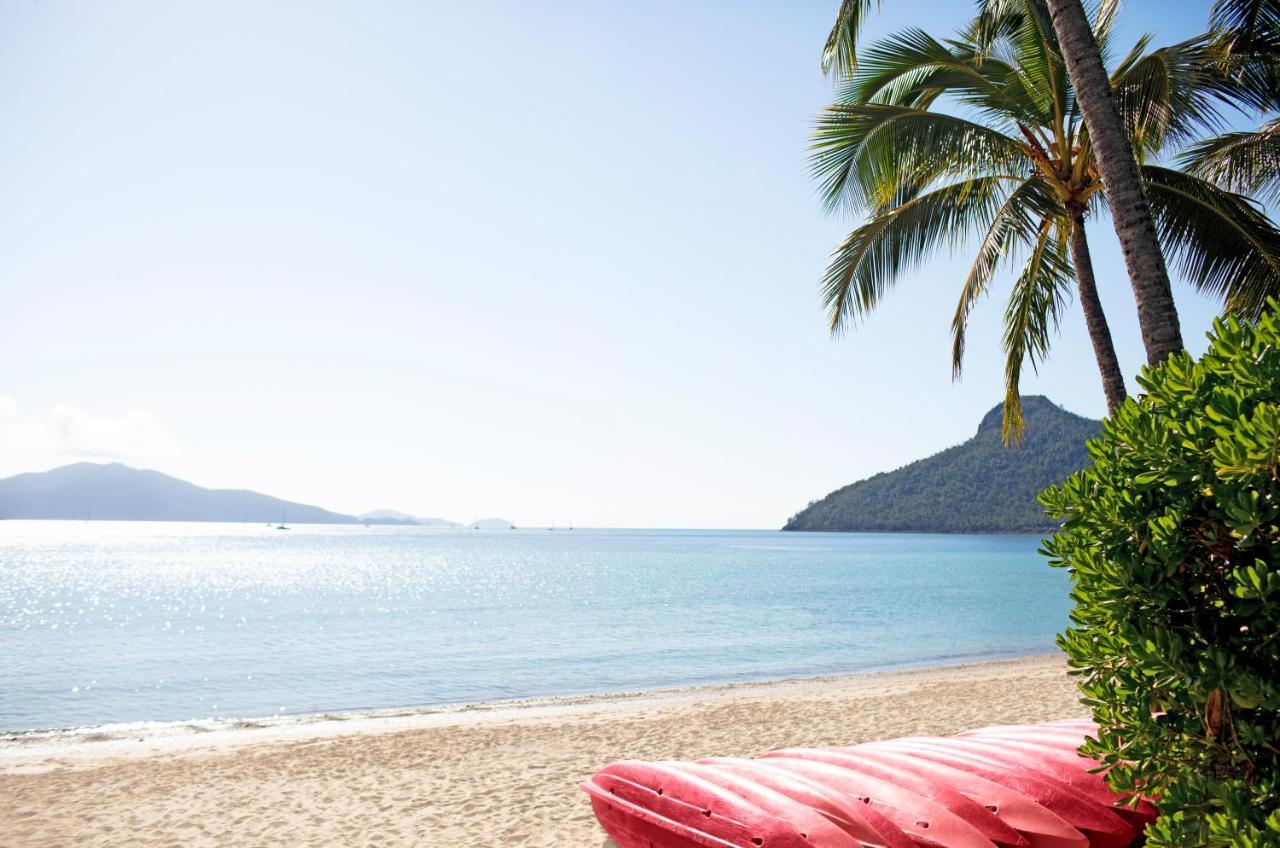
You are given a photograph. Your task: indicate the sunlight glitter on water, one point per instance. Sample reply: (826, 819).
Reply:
(123, 621)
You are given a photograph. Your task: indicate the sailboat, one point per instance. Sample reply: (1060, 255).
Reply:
(282, 525)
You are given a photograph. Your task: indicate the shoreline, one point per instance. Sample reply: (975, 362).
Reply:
(481, 774)
(149, 738)
(179, 727)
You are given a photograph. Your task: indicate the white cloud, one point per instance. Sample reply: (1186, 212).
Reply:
(66, 434)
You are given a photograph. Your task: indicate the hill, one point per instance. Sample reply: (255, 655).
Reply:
(118, 492)
(391, 516)
(979, 486)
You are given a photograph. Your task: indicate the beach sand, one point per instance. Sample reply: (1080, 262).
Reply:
(499, 775)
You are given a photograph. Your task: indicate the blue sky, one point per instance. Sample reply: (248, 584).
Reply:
(556, 262)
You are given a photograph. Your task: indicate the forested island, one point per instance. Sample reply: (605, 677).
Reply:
(979, 486)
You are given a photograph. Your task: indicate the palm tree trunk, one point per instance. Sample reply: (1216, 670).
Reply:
(1157, 314)
(1099, 333)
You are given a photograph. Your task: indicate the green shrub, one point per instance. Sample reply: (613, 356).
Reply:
(1172, 537)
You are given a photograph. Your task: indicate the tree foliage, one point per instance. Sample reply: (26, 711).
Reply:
(1172, 538)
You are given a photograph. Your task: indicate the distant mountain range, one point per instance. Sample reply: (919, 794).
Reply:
(979, 486)
(116, 492)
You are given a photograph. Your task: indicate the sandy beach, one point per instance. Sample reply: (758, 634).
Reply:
(482, 775)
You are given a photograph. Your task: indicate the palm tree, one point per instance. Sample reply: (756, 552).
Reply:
(1115, 159)
(1018, 166)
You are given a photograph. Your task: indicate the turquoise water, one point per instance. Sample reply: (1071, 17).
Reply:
(118, 622)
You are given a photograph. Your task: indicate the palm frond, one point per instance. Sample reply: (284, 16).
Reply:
(994, 26)
(1014, 225)
(840, 54)
(1042, 69)
(1246, 162)
(871, 258)
(1221, 242)
(1168, 95)
(871, 156)
(912, 68)
(1250, 81)
(1250, 25)
(1248, 34)
(1040, 295)
(1102, 19)
(1135, 54)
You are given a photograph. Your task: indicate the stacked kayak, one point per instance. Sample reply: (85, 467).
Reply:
(1013, 786)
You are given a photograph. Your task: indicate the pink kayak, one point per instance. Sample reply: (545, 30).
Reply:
(689, 807)
(1103, 828)
(865, 825)
(982, 819)
(1068, 766)
(928, 823)
(1039, 826)
(1008, 786)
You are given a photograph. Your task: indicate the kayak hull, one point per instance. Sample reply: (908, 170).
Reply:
(1004, 786)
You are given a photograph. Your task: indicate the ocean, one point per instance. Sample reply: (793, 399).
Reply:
(112, 622)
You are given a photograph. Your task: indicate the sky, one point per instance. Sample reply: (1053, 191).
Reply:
(555, 262)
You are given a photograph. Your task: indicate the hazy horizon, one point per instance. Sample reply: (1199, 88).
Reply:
(553, 263)
(384, 510)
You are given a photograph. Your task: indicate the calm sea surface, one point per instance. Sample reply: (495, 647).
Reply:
(118, 622)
